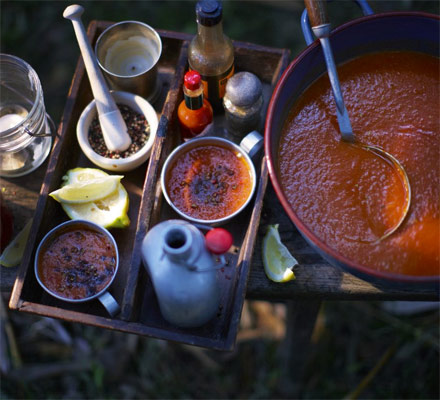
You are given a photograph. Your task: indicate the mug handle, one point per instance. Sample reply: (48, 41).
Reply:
(110, 304)
(252, 143)
(305, 23)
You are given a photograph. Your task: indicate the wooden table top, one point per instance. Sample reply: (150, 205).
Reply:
(315, 278)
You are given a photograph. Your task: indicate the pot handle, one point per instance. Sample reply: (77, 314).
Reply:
(305, 23)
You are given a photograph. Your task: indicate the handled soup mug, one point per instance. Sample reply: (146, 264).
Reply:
(86, 272)
(249, 147)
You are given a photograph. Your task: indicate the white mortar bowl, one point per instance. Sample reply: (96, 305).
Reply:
(136, 103)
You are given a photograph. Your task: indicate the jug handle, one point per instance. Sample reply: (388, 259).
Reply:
(305, 23)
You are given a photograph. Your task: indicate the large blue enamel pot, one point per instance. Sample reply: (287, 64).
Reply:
(412, 31)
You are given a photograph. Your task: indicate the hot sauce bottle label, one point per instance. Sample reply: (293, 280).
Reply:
(193, 103)
(214, 86)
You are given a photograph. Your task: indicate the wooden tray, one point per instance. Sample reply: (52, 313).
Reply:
(132, 288)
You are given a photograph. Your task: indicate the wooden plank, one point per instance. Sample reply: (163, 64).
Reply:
(315, 277)
(300, 322)
(131, 293)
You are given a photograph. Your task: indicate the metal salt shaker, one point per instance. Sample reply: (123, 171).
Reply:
(243, 102)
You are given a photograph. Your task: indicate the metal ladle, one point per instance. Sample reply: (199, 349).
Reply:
(317, 13)
(114, 129)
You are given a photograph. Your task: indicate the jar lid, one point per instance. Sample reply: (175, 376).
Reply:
(243, 89)
(192, 80)
(208, 12)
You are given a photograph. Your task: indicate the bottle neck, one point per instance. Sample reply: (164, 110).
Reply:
(210, 35)
(178, 243)
(193, 98)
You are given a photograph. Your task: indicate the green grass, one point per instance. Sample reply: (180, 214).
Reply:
(37, 32)
(99, 364)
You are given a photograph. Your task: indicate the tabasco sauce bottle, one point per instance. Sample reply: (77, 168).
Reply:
(194, 112)
(211, 53)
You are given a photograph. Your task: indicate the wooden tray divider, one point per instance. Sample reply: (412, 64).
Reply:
(135, 281)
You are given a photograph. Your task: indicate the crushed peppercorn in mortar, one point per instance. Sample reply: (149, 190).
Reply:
(138, 129)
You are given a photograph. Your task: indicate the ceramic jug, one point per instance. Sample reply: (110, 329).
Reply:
(183, 273)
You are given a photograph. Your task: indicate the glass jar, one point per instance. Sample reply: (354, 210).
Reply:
(25, 133)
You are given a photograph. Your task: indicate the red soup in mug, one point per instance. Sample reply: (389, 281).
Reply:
(209, 182)
(78, 263)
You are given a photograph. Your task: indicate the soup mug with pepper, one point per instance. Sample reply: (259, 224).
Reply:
(77, 261)
(209, 180)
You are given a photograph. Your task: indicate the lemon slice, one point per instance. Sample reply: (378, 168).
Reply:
(86, 191)
(13, 253)
(109, 212)
(78, 175)
(277, 260)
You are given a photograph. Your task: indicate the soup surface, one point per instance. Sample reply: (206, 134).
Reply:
(209, 182)
(77, 264)
(346, 195)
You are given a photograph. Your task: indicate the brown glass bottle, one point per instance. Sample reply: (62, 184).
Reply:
(211, 53)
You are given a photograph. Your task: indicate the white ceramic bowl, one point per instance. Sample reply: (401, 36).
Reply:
(136, 103)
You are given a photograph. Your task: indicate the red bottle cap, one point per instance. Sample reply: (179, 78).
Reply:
(218, 240)
(192, 80)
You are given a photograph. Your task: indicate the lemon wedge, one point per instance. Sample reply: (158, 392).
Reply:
(13, 253)
(109, 211)
(277, 260)
(78, 175)
(86, 191)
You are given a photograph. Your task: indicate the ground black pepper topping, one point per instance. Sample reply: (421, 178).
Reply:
(138, 129)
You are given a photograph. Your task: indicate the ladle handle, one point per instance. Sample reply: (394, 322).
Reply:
(104, 101)
(317, 11)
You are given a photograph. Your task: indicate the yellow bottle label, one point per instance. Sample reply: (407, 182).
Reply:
(214, 86)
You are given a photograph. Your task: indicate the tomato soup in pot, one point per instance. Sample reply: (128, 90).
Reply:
(347, 196)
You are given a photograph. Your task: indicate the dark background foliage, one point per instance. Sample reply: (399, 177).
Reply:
(359, 349)
(37, 32)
